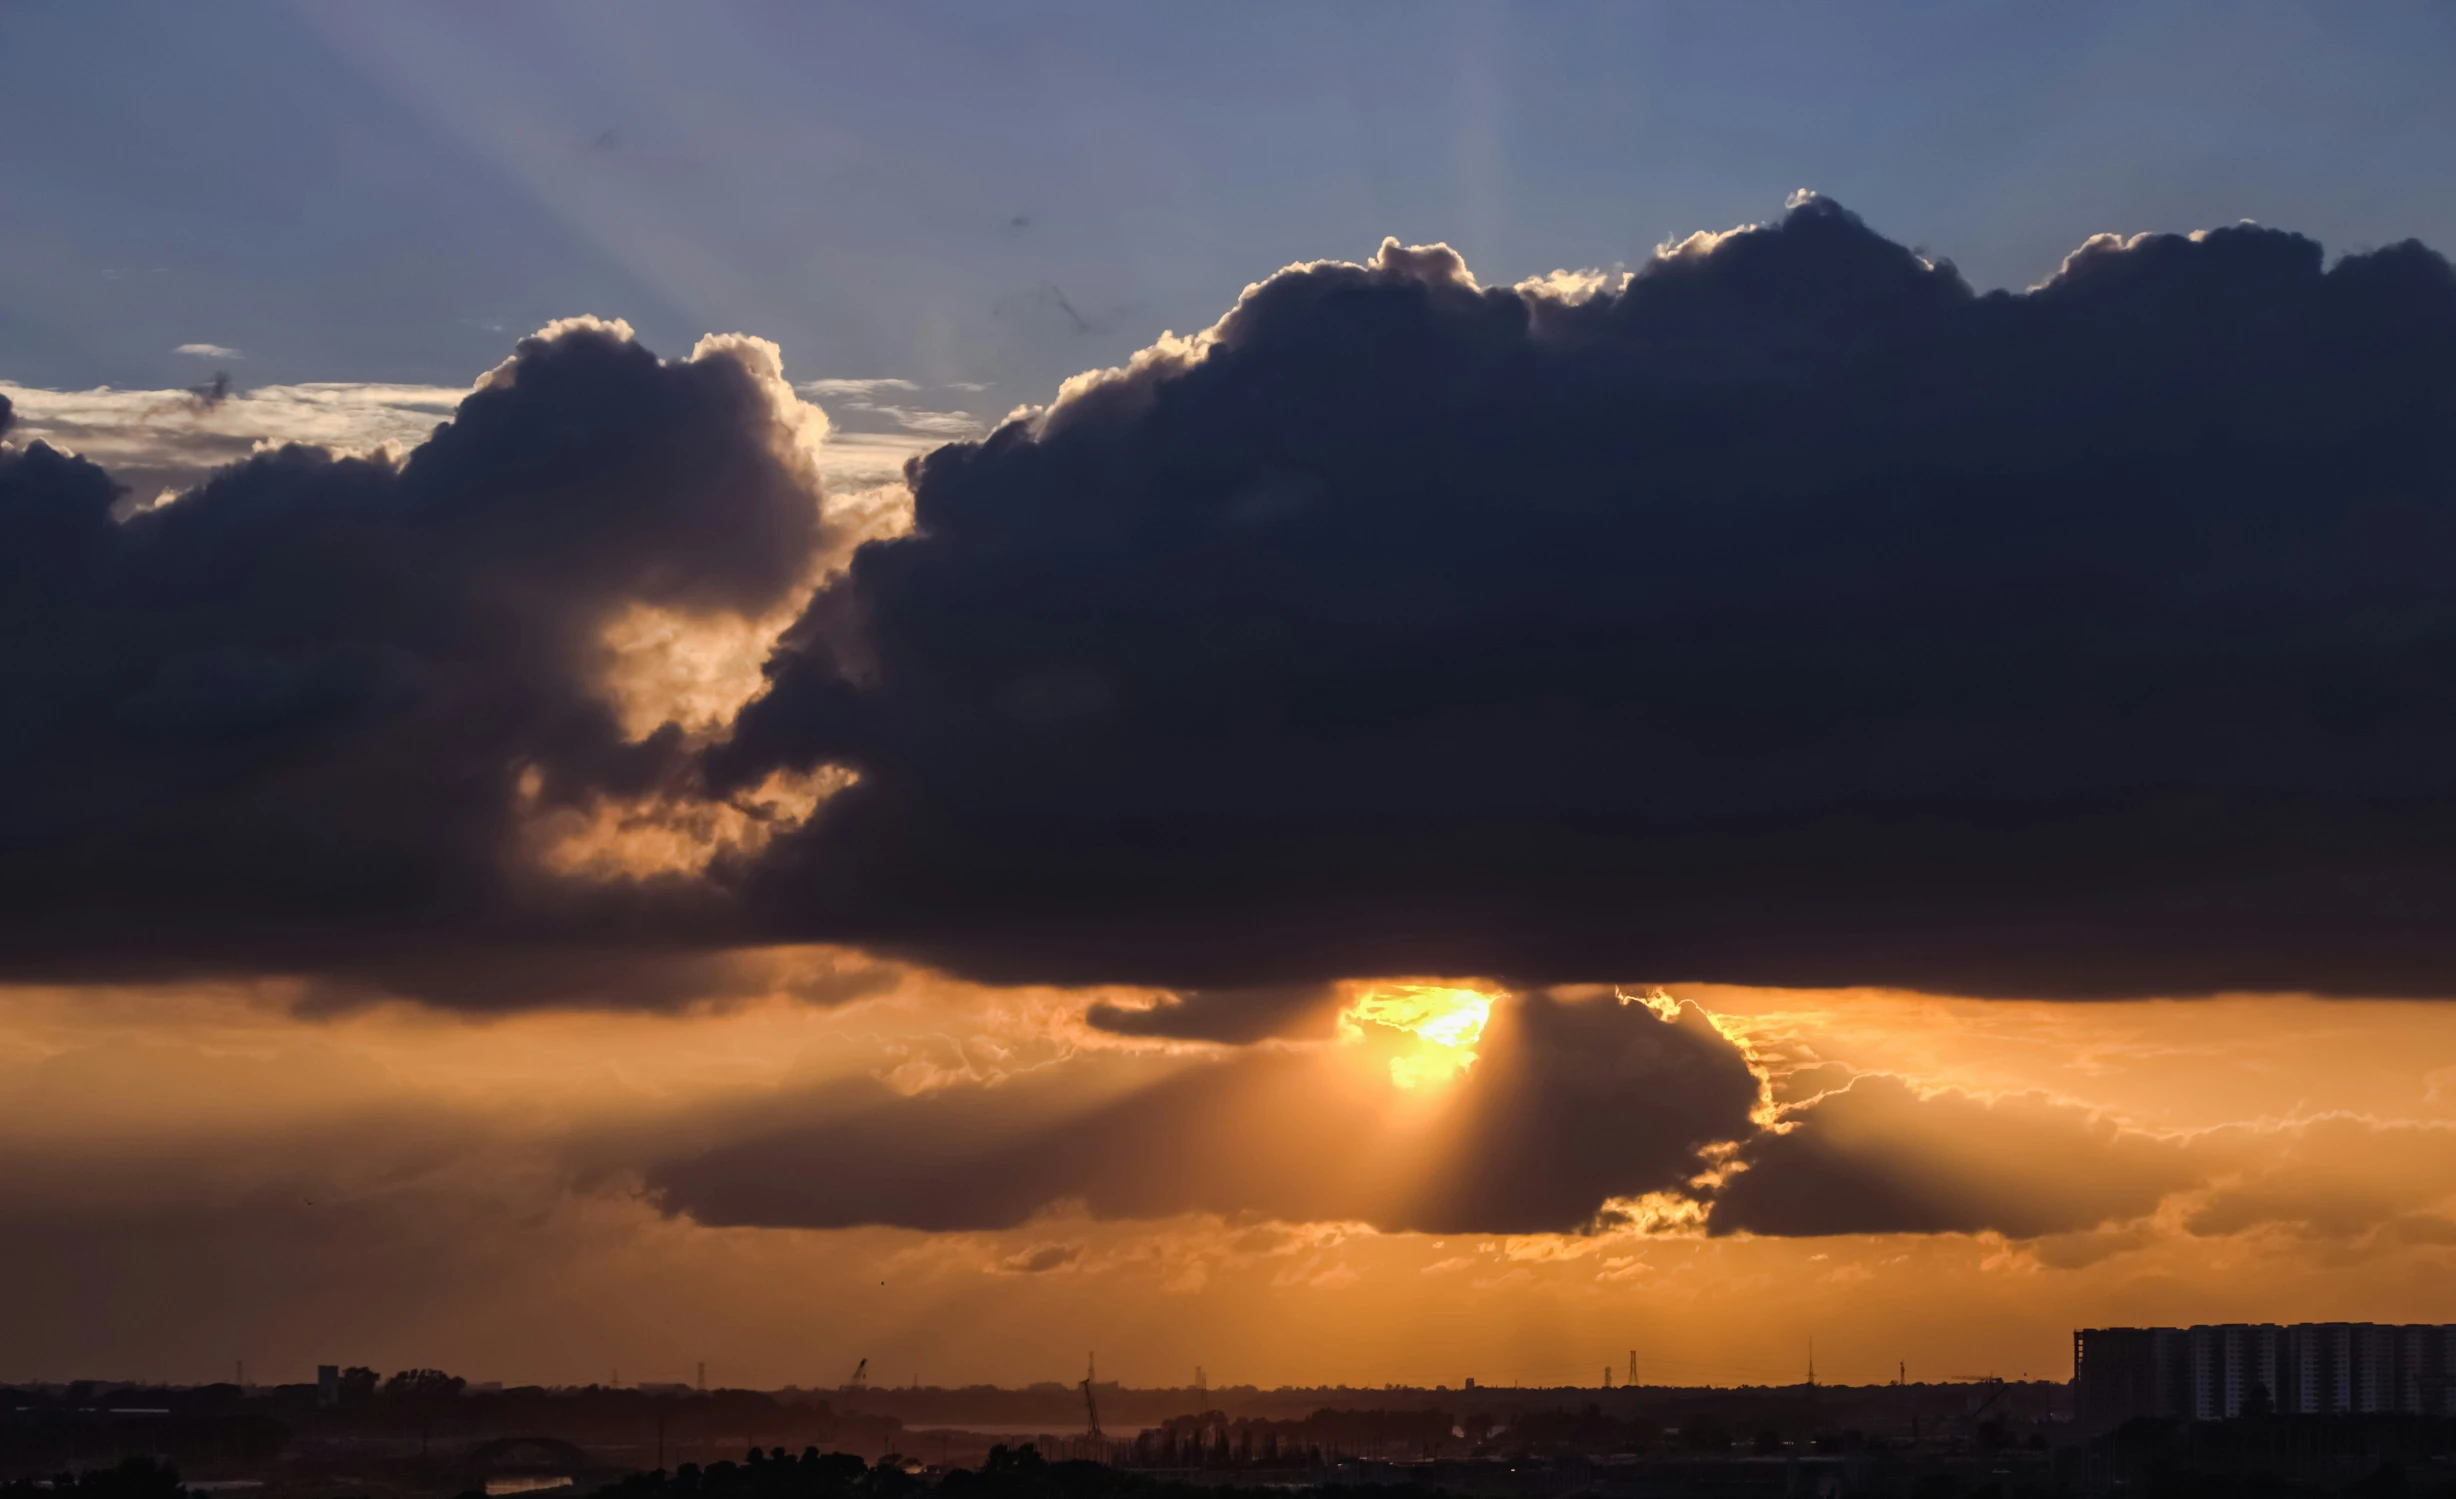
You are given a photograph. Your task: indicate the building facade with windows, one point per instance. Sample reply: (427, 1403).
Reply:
(2214, 1372)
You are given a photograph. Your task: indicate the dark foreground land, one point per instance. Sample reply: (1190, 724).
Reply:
(423, 1435)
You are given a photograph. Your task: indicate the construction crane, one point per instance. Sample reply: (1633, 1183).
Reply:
(861, 1376)
(1091, 1407)
(1993, 1388)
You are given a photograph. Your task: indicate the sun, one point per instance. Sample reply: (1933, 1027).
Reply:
(1446, 1022)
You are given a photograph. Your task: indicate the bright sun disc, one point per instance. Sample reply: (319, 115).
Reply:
(1449, 1019)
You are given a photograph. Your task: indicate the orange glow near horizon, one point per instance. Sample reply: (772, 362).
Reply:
(423, 1189)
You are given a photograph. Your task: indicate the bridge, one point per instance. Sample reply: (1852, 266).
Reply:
(522, 1457)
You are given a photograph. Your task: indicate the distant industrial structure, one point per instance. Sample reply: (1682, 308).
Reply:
(2218, 1372)
(1091, 1407)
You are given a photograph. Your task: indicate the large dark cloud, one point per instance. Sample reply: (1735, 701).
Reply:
(292, 720)
(1573, 1100)
(1789, 615)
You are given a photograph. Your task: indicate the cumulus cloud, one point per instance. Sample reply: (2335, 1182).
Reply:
(1786, 613)
(299, 718)
(1574, 1100)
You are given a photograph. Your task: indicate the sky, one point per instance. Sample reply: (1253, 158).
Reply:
(1351, 694)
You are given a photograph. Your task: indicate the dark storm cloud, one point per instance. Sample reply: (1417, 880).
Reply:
(1878, 1157)
(1575, 1099)
(283, 723)
(1789, 615)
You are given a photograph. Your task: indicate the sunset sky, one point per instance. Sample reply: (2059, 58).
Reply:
(1356, 694)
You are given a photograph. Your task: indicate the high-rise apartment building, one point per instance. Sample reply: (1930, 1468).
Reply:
(2211, 1373)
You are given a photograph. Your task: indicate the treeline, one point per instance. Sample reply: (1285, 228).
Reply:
(1213, 1439)
(42, 1433)
(1054, 1407)
(221, 1426)
(130, 1478)
(770, 1474)
(433, 1403)
(2384, 1451)
(428, 1401)
(1008, 1473)
(1216, 1440)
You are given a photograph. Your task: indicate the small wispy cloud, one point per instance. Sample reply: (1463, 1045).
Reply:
(933, 423)
(868, 397)
(209, 351)
(853, 387)
(1041, 1259)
